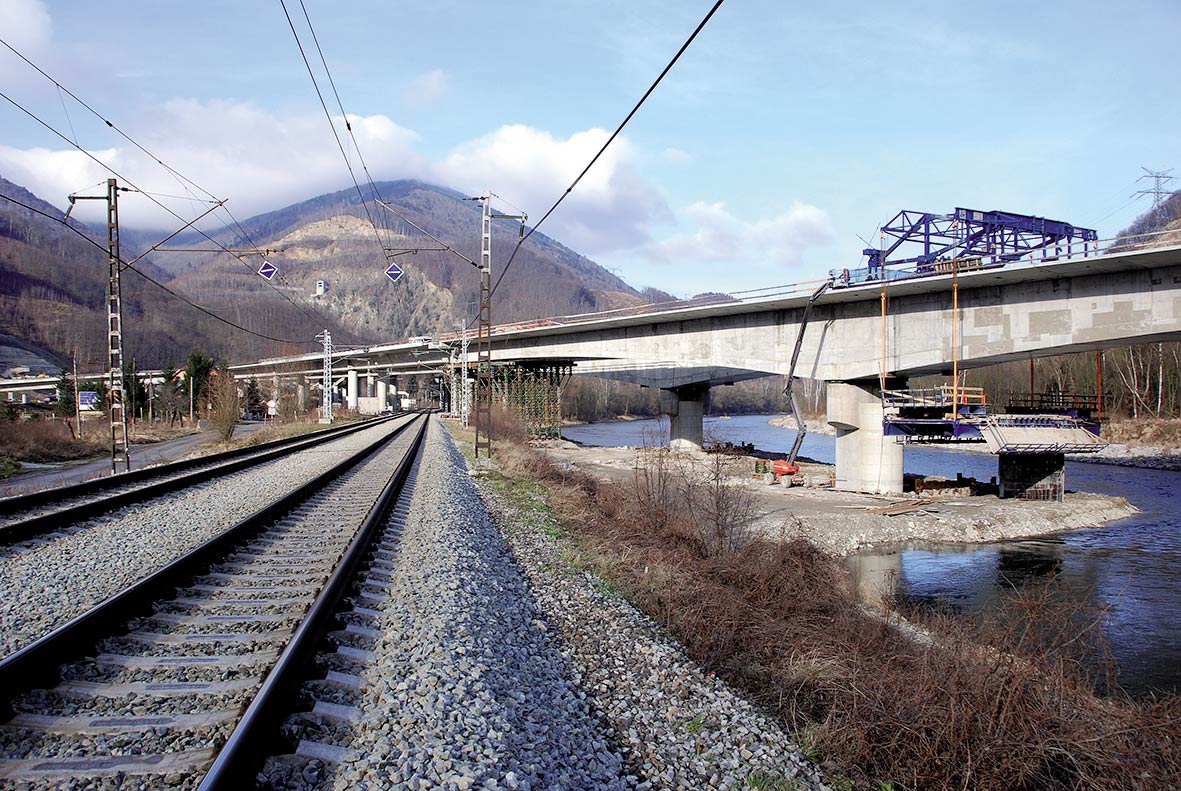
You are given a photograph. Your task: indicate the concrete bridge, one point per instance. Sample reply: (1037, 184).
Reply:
(858, 338)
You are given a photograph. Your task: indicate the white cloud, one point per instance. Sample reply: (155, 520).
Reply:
(612, 208)
(676, 156)
(26, 24)
(235, 150)
(262, 161)
(428, 87)
(721, 237)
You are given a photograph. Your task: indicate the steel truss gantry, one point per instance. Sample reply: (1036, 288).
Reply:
(921, 239)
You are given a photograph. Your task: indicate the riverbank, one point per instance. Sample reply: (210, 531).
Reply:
(783, 622)
(842, 523)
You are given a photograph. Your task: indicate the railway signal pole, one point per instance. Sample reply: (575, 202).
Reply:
(120, 451)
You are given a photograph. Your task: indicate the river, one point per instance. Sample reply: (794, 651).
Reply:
(1131, 568)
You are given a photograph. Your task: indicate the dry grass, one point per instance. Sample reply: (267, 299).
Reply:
(1001, 703)
(47, 441)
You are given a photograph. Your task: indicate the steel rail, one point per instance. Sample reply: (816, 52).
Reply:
(38, 663)
(24, 502)
(248, 745)
(25, 529)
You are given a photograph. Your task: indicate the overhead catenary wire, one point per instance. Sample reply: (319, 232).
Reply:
(348, 125)
(148, 277)
(181, 179)
(324, 105)
(701, 25)
(133, 187)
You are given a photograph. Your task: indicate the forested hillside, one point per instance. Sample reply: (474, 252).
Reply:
(53, 281)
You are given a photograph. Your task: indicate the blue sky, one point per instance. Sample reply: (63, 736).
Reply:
(786, 131)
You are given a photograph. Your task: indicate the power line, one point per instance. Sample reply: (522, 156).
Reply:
(610, 140)
(148, 277)
(181, 179)
(323, 104)
(148, 195)
(615, 134)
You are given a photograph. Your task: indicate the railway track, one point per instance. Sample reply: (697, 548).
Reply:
(190, 670)
(27, 516)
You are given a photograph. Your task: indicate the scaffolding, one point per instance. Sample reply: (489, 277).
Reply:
(533, 391)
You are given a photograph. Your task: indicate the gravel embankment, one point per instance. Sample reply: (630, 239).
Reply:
(676, 726)
(43, 585)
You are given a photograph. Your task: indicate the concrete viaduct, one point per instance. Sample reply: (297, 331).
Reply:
(858, 337)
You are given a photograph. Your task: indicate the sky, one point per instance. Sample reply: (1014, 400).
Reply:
(787, 133)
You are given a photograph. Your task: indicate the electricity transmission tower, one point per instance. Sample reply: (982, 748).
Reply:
(1158, 192)
(326, 395)
(115, 402)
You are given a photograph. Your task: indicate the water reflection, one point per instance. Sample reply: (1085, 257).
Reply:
(1127, 568)
(1024, 564)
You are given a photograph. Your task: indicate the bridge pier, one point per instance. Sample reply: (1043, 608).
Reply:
(383, 394)
(867, 460)
(352, 391)
(685, 407)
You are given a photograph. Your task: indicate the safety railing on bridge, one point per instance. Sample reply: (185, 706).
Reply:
(862, 276)
(1038, 402)
(939, 396)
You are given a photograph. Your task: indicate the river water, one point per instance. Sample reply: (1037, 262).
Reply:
(1131, 568)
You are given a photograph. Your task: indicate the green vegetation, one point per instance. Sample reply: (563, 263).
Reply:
(8, 467)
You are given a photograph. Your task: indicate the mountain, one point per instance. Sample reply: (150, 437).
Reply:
(1160, 225)
(52, 281)
(332, 238)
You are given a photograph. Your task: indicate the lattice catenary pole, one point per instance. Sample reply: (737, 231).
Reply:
(326, 396)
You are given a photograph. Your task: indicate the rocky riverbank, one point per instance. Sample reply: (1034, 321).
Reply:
(842, 523)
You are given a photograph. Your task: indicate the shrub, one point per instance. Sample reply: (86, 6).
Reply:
(998, 702)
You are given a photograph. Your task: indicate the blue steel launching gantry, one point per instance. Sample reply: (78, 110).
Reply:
(916, 243)
(919, 244)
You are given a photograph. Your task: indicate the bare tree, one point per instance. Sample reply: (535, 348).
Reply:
(226, 402)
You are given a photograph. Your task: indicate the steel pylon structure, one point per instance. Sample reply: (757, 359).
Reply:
(484, 382)
(326, 394)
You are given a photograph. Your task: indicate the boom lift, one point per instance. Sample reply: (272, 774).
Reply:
(789, 467)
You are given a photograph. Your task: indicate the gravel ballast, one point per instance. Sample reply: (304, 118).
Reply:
(468, 688)
(501, 666)
(45, 583)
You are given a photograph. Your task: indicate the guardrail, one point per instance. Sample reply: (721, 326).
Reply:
(1067, 251)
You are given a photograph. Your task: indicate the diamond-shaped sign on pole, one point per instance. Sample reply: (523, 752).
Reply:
(267, 270)
(393, 272)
